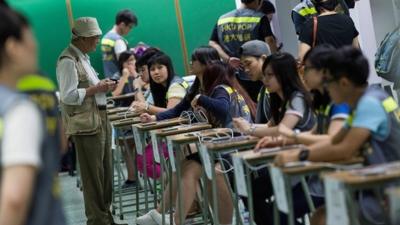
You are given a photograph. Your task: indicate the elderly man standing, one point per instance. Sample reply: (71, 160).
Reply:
(83, 107)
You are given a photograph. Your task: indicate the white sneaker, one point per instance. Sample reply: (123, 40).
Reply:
(157, 217)
(146, 219)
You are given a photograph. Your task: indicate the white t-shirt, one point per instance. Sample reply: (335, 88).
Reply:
(22, 136)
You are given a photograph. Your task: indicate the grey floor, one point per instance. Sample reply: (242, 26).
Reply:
(73, 203)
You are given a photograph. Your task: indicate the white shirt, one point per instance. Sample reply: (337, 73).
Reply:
(67, 77)
(23, 135)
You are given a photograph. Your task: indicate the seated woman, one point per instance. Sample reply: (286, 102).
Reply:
(166, 87)
(290, 104)
(330, 117)
(142, 84)
(126, 63)
(217, 91)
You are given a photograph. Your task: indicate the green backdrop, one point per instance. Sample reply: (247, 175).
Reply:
(157, 24)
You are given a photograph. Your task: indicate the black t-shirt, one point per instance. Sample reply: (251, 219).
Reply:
(264, 30)
(336, 29)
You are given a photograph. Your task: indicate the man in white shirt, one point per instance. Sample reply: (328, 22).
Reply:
(114, 43)
(83, 108)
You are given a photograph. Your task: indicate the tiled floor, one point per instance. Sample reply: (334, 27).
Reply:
(73, 203)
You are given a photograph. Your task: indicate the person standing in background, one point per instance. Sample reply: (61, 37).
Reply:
(83, 110)
(114, 43)
(237, 27)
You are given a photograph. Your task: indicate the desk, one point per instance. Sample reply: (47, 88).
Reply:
(176, 142)
(283, 199)
(157, 136)
(346, 183)
(122, 115)
(208, 153)
(140, 132)
(120, 126)
(116, 110)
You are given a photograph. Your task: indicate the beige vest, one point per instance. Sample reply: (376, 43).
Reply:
(80, 119)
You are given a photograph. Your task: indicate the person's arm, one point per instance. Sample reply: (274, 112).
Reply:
(356, 43)
(303, 49)
(308, 138)
(21, 144)
(16, 194)
(270, 40)
(174, 112)
(172, 102)
(67, 77)
(217, 104)
(266, 34)
(220, 51)
(214, 43)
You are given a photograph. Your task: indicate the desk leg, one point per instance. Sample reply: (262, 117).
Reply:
(179, 183)
(307, 194)
(289, 194)
(145, 178)
(214, 190)
(250, 194)
(354, 210)
(206, 207)
(233, 193)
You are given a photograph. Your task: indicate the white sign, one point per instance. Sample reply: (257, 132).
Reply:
(138, 142)
(171, 155)
(206, 161)
(336, 206)
(154, 142)
(239, 176)
(278, 183)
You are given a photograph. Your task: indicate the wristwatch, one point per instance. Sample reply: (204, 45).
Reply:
(304, 153)
(296, 132)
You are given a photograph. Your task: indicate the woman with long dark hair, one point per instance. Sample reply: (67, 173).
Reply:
(219, 93)
(166, 87)
(290, 101)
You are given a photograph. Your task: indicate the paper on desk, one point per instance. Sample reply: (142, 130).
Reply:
(337, 212)
(171, 154)
(239, 176)
(278, 183)
(154, 142)
(206, 161)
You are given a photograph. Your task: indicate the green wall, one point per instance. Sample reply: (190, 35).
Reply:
(157, 24)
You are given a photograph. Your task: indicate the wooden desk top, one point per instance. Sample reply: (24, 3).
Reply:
(110, 106)
(319, 166)
(122, 115)
(126, 122)
(355, 179)
(179, 129)
(116, 110)
(190, 137)
(263, 155)
(231, 143)
(125, 96)
(161, 124)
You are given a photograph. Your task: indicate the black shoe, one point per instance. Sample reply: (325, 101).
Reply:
(129, 184)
